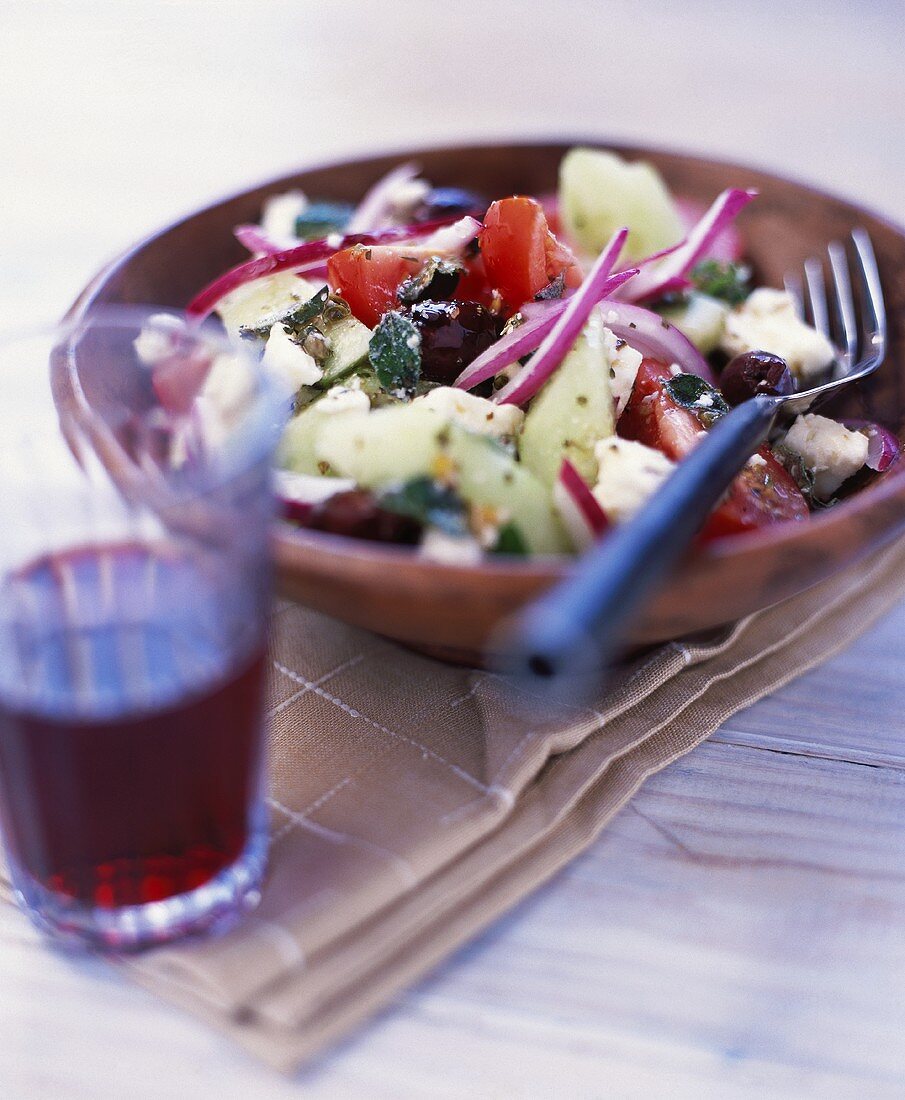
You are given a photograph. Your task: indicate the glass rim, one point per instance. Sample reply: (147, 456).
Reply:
(249, 442)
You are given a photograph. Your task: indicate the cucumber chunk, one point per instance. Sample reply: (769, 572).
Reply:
(393, 445)
(296, 450)
(573, 411)
(599, 192)
(251, 303)
(701, 318)
(349, 340)
(258, 302)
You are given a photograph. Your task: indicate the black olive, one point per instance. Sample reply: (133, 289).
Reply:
(753, 373)
(438, 279)
(356, 514)
(447, 202)
(452, 335)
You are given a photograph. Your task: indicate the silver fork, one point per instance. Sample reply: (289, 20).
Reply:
(576, 628)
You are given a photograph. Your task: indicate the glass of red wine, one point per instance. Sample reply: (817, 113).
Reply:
(135, 503)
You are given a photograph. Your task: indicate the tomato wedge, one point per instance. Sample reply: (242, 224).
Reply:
(177, 381)
(474, 285)
(368, 276)
(652, 417)
(762, 494)
(521, 255)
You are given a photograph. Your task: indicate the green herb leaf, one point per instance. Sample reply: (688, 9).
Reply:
(319, 219)
(803, 477)
(697, 396)
(430, 503)
(437, 279)
(727, 281)
(395, 353)
(510, 540)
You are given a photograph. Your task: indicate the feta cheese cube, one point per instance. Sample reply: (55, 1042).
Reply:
(309, 488)
(477, 414)
(768, 321)
(229, 385)
(624, 363)
(628, 474)
(450, 549)
(343, 399)
(280, 212)
(828, 449)
(407, 195)
(227, 391)
(287, 362)
(159, 338)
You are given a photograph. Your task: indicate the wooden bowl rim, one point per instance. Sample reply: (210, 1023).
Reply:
(733, 548)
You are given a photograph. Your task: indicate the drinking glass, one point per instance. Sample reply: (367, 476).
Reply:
(135, 505)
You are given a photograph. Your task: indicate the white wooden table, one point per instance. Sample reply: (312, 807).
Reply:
(762, 879)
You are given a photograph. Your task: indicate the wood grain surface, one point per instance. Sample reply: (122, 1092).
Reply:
(737, 931)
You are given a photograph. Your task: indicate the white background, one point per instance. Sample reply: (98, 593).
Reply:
(116, 117)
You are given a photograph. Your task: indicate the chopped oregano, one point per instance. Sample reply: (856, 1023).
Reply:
(727, 281)
(319, 219)
(438, 279)
(552, 290)
(803, 476)
(510, 540)
(697, 396)
(430, 503)
(514, 322)
(395, 353)
(296, 317)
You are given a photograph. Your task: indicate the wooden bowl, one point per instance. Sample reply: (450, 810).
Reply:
(450, 611)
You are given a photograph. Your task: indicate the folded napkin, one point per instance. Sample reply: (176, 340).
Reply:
(413, 802)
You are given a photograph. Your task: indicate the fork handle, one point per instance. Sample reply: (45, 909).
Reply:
(576, 628)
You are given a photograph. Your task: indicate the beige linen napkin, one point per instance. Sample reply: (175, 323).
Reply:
(413, 802)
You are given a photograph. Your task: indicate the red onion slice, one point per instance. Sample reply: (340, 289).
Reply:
(454, 238)
(540, 317)
(297, 258)
(726, 247)
(655, 338)
(671, 274)
(883, 448)
(527, 381)
(257, 239)
(581, 514)
(374, 209)
(641, 329)
(299, 493)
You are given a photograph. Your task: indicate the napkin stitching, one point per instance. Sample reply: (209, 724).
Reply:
(399, 863)
(686, 727)
(702, 683)
(503, 793)
(502, 796)
(325, 797)
(602, 719)
(351, 663)
(353, 713)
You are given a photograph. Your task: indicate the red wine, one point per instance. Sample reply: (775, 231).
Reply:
(130, 742)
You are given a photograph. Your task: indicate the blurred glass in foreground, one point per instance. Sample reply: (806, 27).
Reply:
(134, 595)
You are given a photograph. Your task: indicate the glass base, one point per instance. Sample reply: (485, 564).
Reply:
(211, 908)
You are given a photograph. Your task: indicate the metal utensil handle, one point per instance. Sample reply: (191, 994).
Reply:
(577, 627)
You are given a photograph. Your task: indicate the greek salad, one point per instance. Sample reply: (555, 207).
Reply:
(516, 376)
